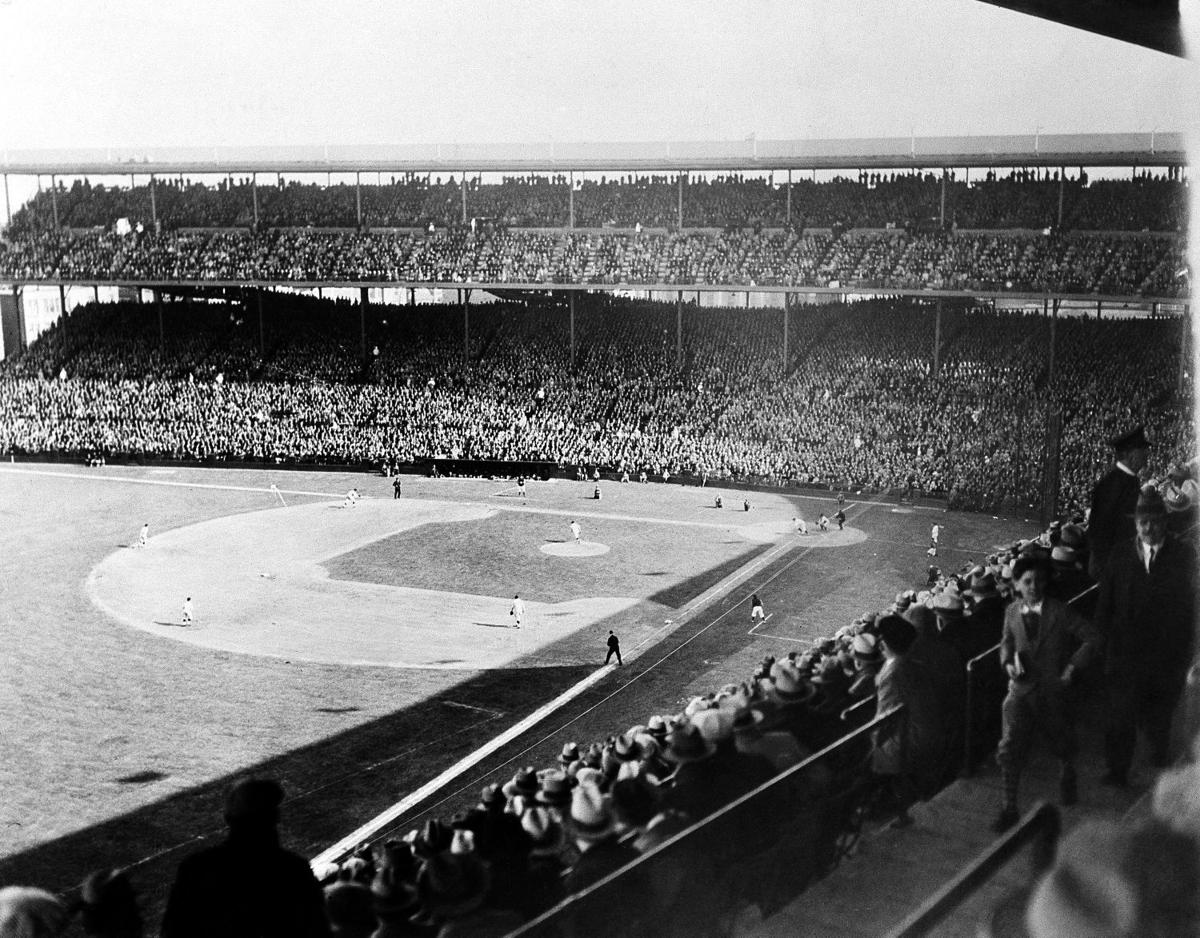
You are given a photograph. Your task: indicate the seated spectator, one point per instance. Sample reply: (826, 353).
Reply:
(27, 912)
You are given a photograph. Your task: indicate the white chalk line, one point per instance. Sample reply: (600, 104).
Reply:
(331, 854)
(96, 476)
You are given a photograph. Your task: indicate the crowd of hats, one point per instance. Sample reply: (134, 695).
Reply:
(1020, 199)
(860, 409)
(1106, 265)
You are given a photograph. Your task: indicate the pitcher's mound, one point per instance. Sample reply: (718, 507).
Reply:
(571, 549)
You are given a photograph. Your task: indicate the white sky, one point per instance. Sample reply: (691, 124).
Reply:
(246, 72)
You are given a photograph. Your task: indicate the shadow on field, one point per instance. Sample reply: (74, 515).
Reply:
(333, 786)
(684, 591)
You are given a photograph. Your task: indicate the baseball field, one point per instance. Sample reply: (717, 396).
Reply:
(363, 652)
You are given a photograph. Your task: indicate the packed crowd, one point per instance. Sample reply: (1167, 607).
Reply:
(1021, 199)
(1124, 265)
(857, 405)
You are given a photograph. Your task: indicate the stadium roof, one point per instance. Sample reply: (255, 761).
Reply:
(1134, 149)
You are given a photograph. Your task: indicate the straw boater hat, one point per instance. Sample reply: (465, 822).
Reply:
(789, 686)
(570, 753)
(865, 648)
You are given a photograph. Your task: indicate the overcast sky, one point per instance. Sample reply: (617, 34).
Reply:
(246, 72)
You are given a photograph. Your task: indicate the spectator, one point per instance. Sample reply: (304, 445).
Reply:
(247, 885)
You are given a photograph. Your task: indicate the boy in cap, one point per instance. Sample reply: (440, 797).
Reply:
(1115, 498)
(1146, 612)
(1038, 653)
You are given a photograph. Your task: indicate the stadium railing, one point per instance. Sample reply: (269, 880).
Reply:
(762, 849)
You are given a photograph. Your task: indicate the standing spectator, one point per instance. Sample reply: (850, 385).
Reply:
(907, 758)
(1039, 655)
(1145, 611)
(248, 886)
(1114, 499)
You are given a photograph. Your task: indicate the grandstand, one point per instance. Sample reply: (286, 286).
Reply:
(942, 346)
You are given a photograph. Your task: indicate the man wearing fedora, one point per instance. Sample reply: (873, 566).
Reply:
(1115, 497)
(1146, 611)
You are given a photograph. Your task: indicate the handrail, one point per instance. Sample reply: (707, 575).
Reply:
(855, 707)
(1040, 826)
(892, 716)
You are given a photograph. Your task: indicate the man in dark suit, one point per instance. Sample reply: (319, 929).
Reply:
(1044, 644)
(1114, 498)
(1146, 610)
(247, 885)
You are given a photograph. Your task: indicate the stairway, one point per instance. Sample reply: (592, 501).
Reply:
(894, 869)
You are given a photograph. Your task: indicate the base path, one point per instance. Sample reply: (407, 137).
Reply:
(258, 587)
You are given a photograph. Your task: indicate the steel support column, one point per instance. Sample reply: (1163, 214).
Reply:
(358, 199)
(1185, 356)
(262, 333)
(364, 301)
(162, 332)
(571, 200)
(154, 207)
(787, 310)
(788, 215)
(463, 190)
(254, 197)
(1062, 178)
(679, 211)
(1053, 332)
(7, 203)
(571, 307)
(54, 198)
(679, 329)
(942, 210)
(937, 339)
(463, 297)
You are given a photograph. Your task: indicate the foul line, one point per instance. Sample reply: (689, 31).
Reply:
(330, 855)
(183, 485)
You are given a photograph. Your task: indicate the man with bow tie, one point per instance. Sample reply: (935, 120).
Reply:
(1146, 612)
(1045, 644)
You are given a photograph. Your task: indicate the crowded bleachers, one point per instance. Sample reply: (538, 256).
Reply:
(1022, 198)
(857, 405)
(1108, 264)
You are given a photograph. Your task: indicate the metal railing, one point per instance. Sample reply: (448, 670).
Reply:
(762, 849)
(1040, 827)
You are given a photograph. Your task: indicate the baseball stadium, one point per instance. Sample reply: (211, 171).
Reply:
(781, 536)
